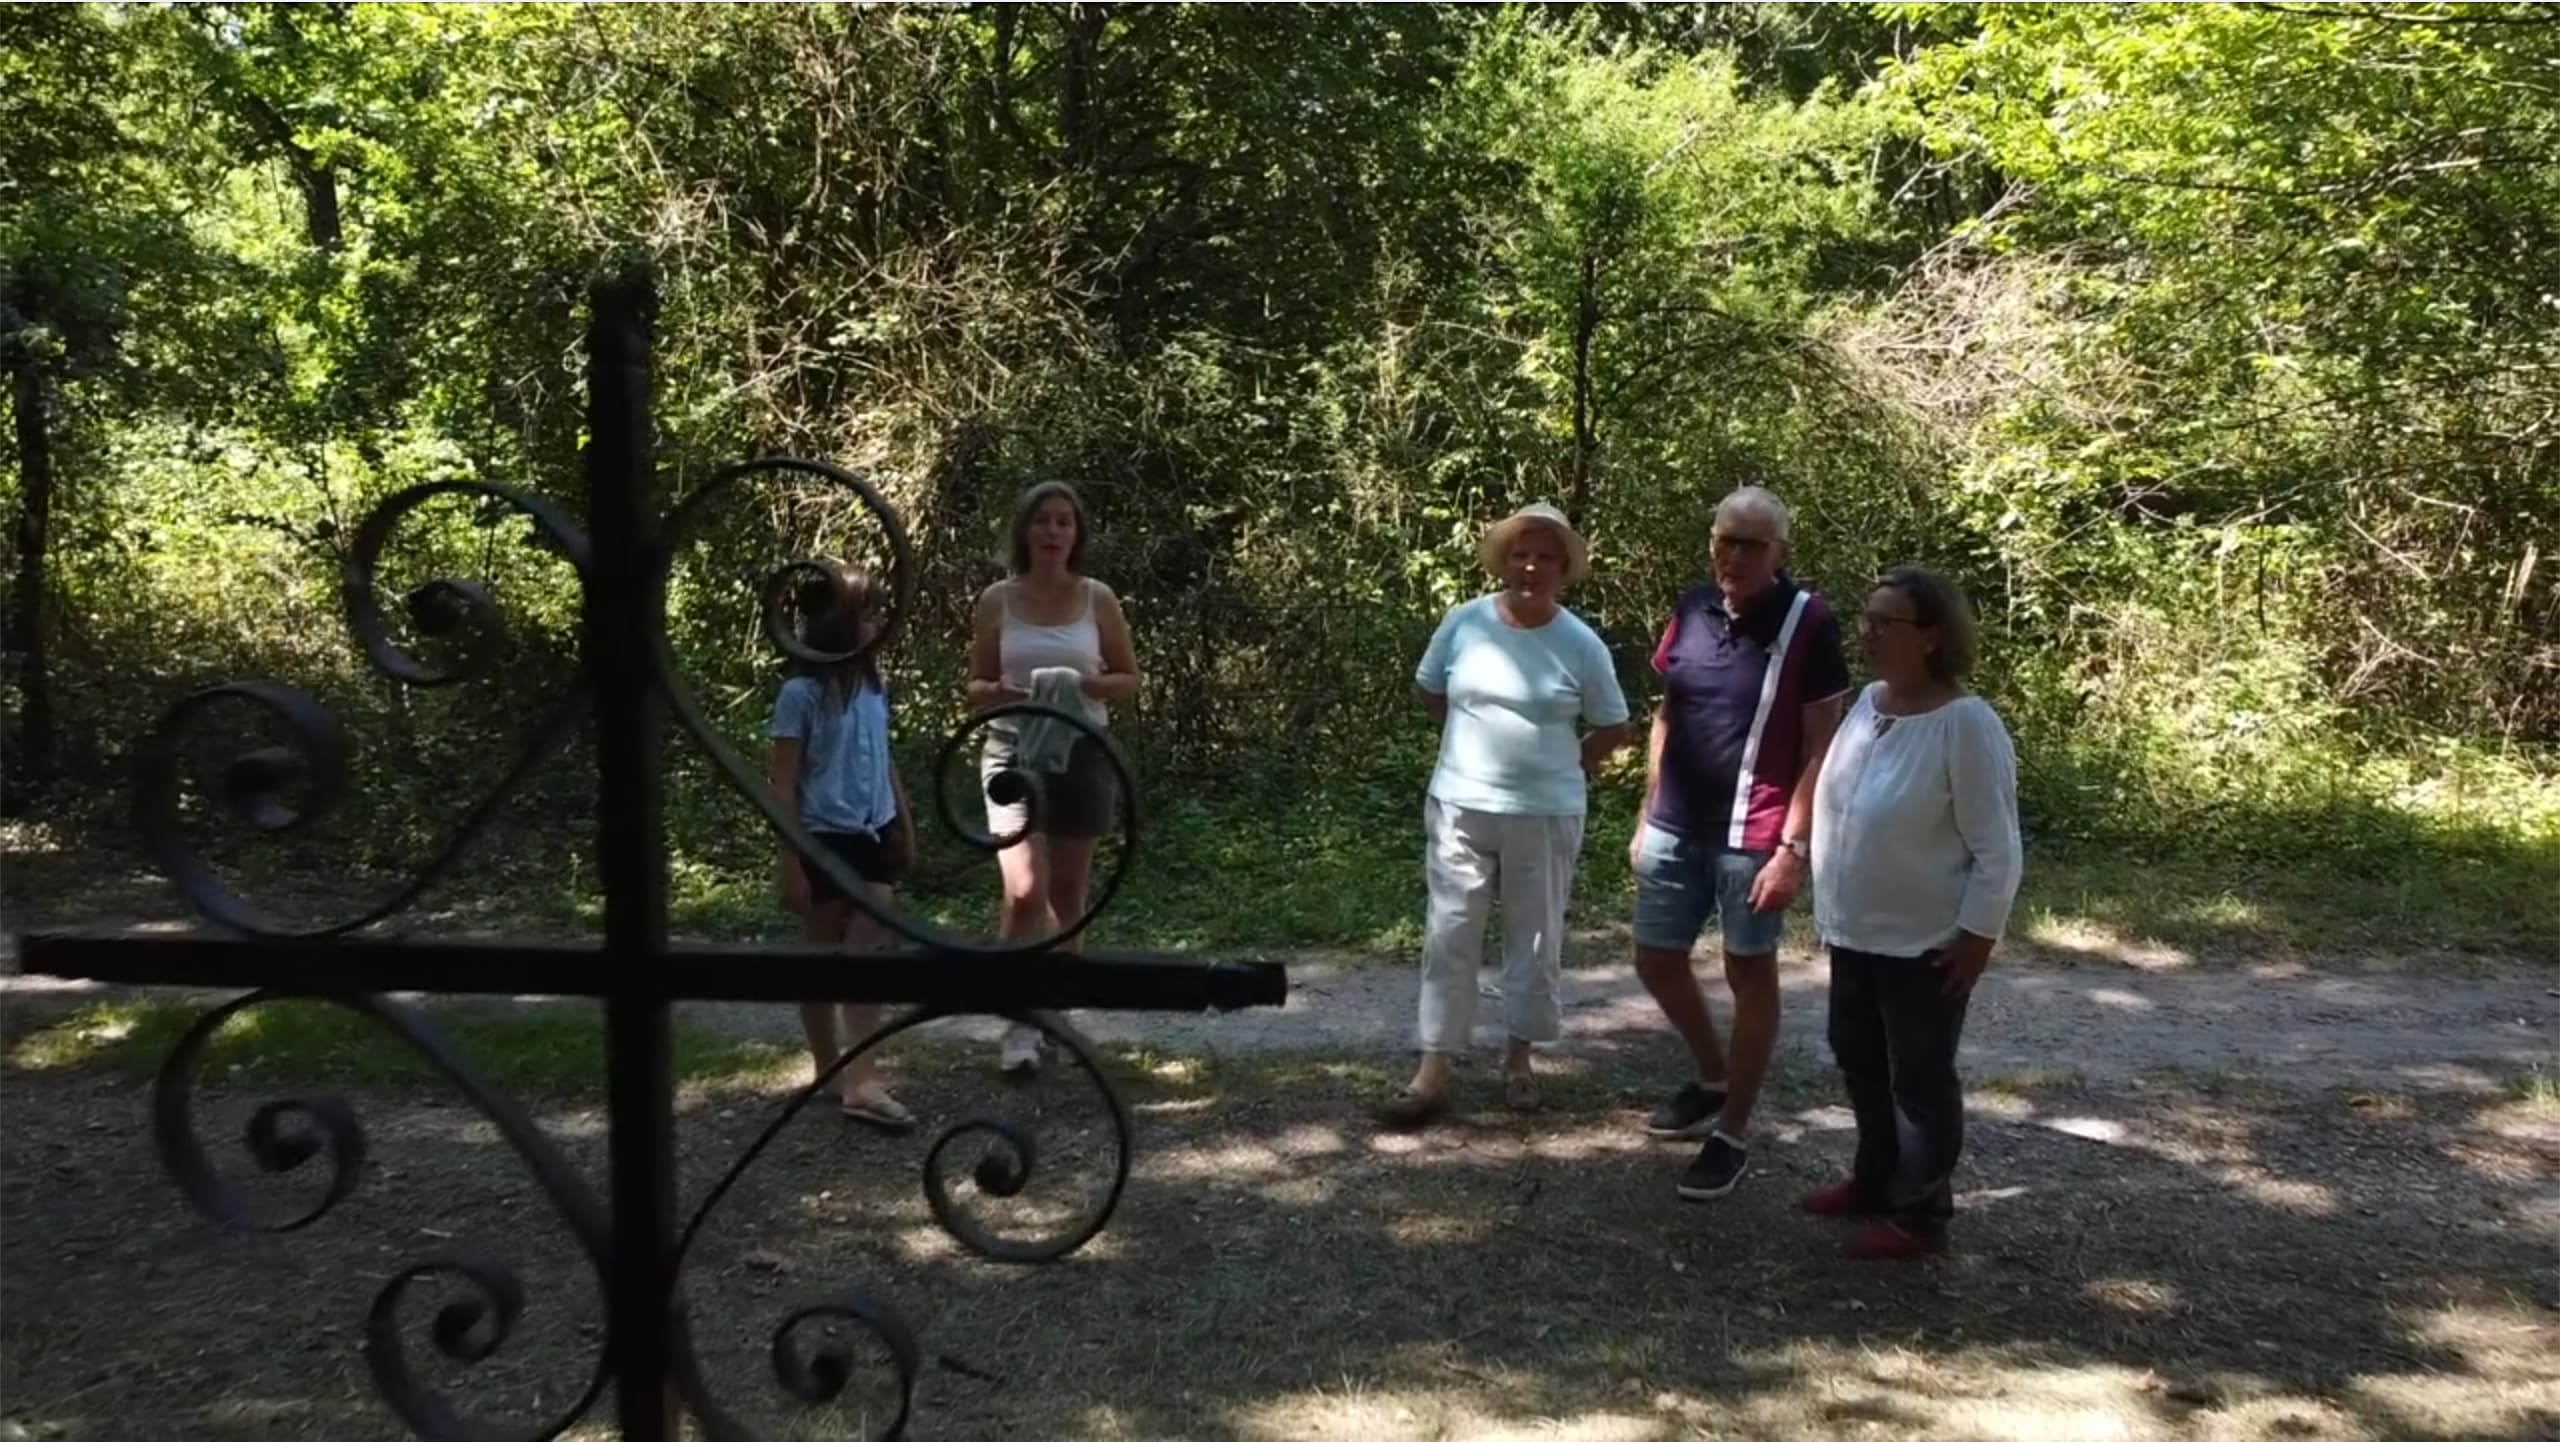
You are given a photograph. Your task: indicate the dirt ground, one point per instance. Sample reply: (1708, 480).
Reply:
(2330, 1252)
(2099, 1016)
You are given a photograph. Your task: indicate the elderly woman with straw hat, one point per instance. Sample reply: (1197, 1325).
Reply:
(1508, 676)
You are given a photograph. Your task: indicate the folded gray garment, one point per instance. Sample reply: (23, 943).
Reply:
(1046, 743)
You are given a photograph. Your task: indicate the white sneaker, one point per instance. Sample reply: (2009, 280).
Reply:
(1021, 1048)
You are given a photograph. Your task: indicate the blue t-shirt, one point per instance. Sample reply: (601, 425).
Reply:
(844, 761)
(1509, 745)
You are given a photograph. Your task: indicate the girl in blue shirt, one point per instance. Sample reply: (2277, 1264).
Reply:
(831, 767)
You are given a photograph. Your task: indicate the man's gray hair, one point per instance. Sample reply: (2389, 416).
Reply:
(1759, 501)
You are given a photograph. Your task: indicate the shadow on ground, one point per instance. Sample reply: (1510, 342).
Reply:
(2161, 1261)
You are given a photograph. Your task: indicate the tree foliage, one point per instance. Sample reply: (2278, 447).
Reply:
(2213, 346)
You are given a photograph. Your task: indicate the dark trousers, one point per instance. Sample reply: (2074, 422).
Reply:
(1895, 1032)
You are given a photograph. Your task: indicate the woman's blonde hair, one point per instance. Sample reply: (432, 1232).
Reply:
(1940, 605)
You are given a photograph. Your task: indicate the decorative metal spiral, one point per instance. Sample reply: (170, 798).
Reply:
(1016, 788)
(443, 606)
(284, 1135)
(257, 786)
(1007, 1166)
(815, 1368)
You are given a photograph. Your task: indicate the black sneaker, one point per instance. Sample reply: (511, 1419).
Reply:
(1692, 1113)
(1720, 1164)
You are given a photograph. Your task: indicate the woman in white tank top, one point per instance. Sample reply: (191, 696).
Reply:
(1049, 615)
(1026, 647)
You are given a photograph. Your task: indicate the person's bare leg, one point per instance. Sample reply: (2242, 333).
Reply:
(1025, 866)
(1070, 881)
(861, 1019)
(1431, 1078)
(1667, 975)
(1516, 1057)
(1754, 980)
(823, 922)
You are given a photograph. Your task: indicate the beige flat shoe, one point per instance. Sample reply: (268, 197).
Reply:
(1413, 1110)
(1520, 1092)
(877, 1109)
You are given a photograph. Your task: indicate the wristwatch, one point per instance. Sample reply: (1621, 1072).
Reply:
(1796, 844)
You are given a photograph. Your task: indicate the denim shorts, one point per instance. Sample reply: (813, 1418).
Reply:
(1682, 884)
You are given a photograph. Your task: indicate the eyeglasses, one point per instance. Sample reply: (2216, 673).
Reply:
(1875, 622)
(1747, 545)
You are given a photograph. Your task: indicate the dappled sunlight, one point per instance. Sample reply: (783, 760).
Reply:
(1311, 1140)
(1947, 1395)
(2219, 1145)
(1586, 1143)
(1965, 1396)
(2089, 1129)
(463, 1125)
(2139, 1296)
(1240, 1161)
(2502, 1341)
(73, 1042)
(2533, 1119)
(2451, 1077)
(2307, 1199)
(2496, 1158)
(2084, 937)
(1441, 1229)
(1397, 1414)
(2433, 1405)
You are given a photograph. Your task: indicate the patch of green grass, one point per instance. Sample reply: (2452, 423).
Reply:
(1311, 852)
(2483, 904)
(536, 1049)
(2539, 1089)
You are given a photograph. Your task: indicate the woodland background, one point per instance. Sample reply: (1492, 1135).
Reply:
(2216, 349)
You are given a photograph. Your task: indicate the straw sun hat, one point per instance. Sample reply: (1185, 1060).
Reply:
(1497, 539)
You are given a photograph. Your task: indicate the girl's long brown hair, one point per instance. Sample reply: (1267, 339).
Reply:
(831, 615)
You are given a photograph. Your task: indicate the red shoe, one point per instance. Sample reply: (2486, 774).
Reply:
(1840, 1199)
(1885, 1242)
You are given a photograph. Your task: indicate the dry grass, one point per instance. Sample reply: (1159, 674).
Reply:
(2164, 1263)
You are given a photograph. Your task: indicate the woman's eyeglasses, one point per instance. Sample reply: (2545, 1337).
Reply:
(1876, 622)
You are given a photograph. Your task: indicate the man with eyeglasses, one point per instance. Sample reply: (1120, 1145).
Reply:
(1753, 684)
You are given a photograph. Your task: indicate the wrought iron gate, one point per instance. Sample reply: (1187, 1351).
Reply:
(627, 674)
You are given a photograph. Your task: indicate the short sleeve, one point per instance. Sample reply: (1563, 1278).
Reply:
(1433, 674)
(1826, 670)
(794, 709)
(1662, 648)
(1604, 701)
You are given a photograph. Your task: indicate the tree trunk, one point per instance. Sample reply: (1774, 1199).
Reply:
(32, 765)
(1079, 109)
(319, 200)
(1586, 327)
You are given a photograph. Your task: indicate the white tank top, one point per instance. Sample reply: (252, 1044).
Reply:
(1025, 647)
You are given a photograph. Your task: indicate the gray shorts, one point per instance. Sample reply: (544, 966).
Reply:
(1682, 884)
(1082, 800)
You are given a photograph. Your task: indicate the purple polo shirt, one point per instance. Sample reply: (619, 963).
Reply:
(1733, 697)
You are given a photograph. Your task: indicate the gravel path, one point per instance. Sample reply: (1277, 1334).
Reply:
(2095, 1023)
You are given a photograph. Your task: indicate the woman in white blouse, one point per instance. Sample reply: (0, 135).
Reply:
(1915, 865)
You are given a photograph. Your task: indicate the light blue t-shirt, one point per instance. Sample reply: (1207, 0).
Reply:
(1509, 745)
(844, 761)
